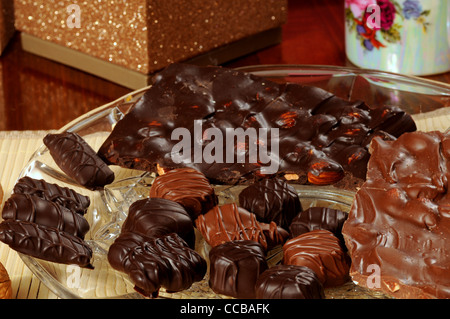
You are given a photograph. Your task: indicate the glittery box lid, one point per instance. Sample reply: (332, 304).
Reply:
(6, 22)
(147, 35)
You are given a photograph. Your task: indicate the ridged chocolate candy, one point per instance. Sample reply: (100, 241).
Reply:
(271, 199)
(153, 263)
(45, 243)
(155, 217)
(230, 222)
(30, 208)
(235, 266)
(322, 138)
(63, 196)
(319, 218)
(188, 187)
(78, 160)
(321, 251)
(289, 282)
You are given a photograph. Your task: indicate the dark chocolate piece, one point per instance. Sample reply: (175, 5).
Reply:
(399, 223)
(45, 243)
(155, 217)
(271, 199)
(322, 138)
(78, 160)
(289, 282)
(230, 222)
(235, 266)
(33, 209)
(63, 196)
(188, 187)
(319, 218)
(321, 251)
(153, 263)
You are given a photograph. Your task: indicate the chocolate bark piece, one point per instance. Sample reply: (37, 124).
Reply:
(289, 282)
(188, 187)
(155, 217)
(321, 251)
(271, 199)
(78, 160)
(152, 263)
(63, 196)
(230, 222)
(45, 243)
(319, 218)
(33, 209)
(235, 266)
(399, 223)
(323, 139)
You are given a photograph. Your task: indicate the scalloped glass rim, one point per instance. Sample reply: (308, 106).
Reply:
(307, 73)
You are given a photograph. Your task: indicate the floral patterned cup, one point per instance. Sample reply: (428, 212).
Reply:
(402, 36)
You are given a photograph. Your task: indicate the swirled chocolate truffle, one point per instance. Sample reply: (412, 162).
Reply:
(289, 282)
(235, 266)
(152, 263)
(30, 208)
(78, 160)
(63, 196)
(271, 199)
(45, 243)
(230, 222)
(320, 251)
(155, 217)
(188, 187)
(400, 218)
(319, 218)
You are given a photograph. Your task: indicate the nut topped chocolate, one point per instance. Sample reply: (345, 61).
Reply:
(230, 222)
(312, 136)
(188, 187)
(271, 199)
(399, 223)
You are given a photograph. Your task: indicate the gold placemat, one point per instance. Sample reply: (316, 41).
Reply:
(16, 148)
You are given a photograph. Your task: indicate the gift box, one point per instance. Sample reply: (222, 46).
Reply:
(126, 41)
(6, 23)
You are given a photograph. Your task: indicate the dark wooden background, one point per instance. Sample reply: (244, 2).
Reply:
(38, 94)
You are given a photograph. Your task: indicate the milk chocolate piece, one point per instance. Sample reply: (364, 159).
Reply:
(319, 218)
(78, 160)
(271, 199)
(289, 282)
(152, 263)
(188, 187)
(45, 243)
(399, 223)
(63, 196)
(321, 251)
(235, 266)
(33, 209)
(323, 139)
(230, 222)
(155, 217)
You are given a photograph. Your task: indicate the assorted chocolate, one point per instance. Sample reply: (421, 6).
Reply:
(44, 221)
(289, 282)
(322, 139)
(399, 223)
(188, 187)
(78, 160)
(235, 267)
(230, 222)
(271, 199)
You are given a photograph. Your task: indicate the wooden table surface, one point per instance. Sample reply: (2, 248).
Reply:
(38, 94)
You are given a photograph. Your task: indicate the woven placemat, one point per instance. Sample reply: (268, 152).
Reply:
(16, 148)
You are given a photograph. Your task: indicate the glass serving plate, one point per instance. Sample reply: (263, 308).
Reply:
(109, 207)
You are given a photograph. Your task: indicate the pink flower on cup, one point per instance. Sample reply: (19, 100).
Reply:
(387, 13)
(358, 7)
